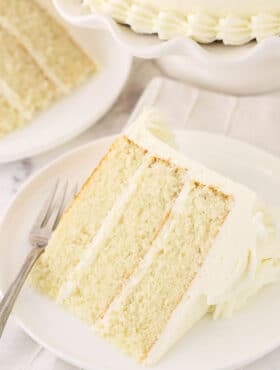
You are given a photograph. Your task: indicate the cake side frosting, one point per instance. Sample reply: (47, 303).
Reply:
(233, 22)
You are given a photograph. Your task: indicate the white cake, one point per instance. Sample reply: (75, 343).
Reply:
(231, 21)
(154, 241)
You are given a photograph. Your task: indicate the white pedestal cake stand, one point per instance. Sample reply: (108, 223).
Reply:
(249, 69)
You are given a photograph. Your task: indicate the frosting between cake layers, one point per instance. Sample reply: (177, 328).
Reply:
(229, 276)
(234, 23)
(106, 229)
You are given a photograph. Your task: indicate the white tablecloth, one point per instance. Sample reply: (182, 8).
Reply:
(252, 119)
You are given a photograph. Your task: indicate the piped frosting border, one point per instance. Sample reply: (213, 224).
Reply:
(201, 27)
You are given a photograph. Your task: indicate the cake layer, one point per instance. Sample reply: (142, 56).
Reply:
(10, 118)
(233, 22)
(84, 218)
(136, 321)
(49, 44)
(22, 77)
(117, 253)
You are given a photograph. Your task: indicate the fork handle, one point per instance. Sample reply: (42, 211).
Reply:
(8, 301)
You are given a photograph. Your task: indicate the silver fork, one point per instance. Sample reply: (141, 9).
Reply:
(39, 236)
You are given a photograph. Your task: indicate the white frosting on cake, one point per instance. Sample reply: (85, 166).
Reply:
(232, 21)
(231, 275)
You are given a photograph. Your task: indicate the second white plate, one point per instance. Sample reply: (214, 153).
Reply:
(82, 108)
(210, 345)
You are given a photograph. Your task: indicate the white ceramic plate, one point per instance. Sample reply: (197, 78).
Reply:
(210, 345)
(247, 69)
(82, 108)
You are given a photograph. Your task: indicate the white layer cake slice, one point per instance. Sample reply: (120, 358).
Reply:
(153, 242)
(61, 59)
(10, 118)
(21, 80)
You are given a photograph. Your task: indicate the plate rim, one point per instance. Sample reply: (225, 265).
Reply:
(266, 156)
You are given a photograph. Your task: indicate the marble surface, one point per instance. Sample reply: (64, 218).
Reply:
(226, 120)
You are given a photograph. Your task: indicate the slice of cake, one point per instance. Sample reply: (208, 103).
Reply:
(39, 62)
(50, 45)
(10, 119)
(153, 242)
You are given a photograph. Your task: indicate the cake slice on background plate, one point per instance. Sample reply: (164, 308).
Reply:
(39, 62)
(154, 241)
(48, 42)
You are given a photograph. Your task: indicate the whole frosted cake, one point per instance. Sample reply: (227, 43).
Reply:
(153, 242)
(232, 21)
